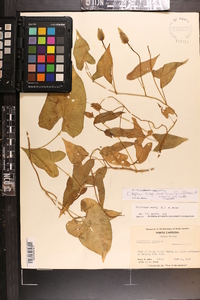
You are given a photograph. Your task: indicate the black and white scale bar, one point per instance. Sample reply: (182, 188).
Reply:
(8, 151)
(151, 5)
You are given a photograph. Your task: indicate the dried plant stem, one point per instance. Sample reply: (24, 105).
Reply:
(50, 195)
(63, 170)
(124, 148)
(161, 94)
(129, 169)
(51, 140)
(162, 142)
(142, 83)
(142, 120)
(94, 185)
(122, 93)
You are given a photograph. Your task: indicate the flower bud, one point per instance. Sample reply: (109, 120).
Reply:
(100, 34)
(123, 36)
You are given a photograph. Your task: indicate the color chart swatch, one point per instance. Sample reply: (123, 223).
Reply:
(6, 55)
(35, 54)
(48, 53)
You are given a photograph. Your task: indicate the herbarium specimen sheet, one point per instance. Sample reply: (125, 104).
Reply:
(109, 174)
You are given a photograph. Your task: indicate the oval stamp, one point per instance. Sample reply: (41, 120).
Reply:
(180, 29)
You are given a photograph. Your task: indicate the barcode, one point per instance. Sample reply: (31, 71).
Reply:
(30, 252)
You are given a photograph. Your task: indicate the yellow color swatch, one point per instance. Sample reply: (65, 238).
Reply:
(50, 49)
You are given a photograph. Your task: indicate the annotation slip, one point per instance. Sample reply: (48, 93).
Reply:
(163, 203)
(165, 247)
(182, 195)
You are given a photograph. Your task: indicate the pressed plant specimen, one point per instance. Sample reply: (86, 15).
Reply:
(134, 138)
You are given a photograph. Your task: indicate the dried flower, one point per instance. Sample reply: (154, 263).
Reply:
(100, 34)
(123, 36)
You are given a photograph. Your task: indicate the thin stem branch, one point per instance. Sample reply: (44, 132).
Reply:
(50, 195)
(162, 95)
(142, 83)
(51, 140)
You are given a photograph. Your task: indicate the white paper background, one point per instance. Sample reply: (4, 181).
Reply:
(176, 168)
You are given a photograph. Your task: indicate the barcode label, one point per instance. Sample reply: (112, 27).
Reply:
(30, 253)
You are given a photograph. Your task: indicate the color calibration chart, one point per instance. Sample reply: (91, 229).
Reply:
(47, 53)
(7, 49)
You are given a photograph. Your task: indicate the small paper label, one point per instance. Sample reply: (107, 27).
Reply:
(182, 195)
(169, 210)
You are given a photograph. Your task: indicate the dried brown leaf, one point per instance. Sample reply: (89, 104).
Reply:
(117, 158)
(45, 159)
(112, 213)
(98, 236)
(167, 72)
(76, 228)
(76, 184)
(120, 132)
(95, 231)
(167, 141)
(167, 111)
(104, 66)
(142, 153)
(116, 147)
(75, 107)
(142, 69)
(107, 116)
(89, 115)
(69, 106)
(138, 130)
(97, 180)
(96, 106)
(112, 155)
(71, 193)
(99, 176)
(81, 52)
(75, 153)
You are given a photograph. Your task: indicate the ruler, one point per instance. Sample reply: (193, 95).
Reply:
(8, 151)
(150, 5)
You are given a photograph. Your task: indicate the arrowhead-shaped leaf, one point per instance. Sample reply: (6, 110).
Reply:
(98, 235)
(45, 159)
(75, 153)
(107, 116)
(167, 141)
(68, 106)
(112, 155)
(116, 147)
(142, 153)
(167, 111)
(112, 213)
(94, 232)
(97, 180)
(167, 72)
(76, 184)
(76, 228)
(89, 115)
(104, 66)
(136, 132)
(142, 69)
(96, 106)
(81, 52)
